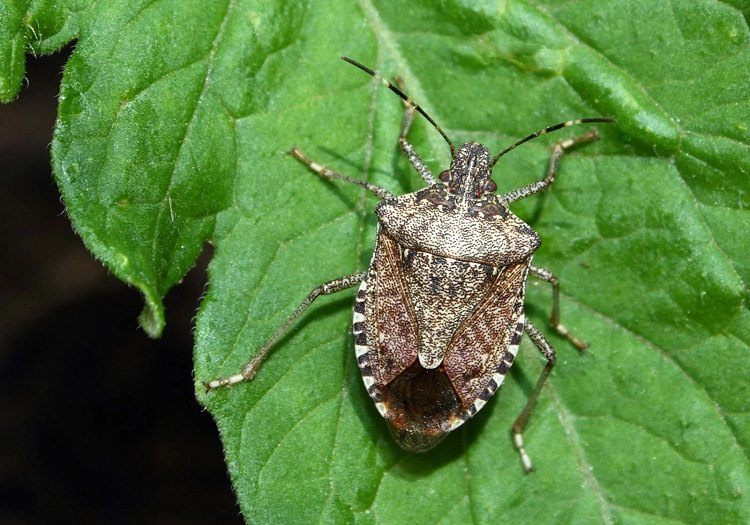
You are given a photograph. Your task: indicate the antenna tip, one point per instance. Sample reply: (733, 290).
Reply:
(606, 120)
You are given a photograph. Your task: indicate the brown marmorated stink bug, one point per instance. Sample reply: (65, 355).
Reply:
(440, 311)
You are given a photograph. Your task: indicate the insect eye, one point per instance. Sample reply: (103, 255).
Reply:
(445, 176)
(490, 186)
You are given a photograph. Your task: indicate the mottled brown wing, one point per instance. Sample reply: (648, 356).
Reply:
(477, 347)
(393, 335)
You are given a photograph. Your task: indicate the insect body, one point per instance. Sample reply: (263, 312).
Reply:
(440, 312)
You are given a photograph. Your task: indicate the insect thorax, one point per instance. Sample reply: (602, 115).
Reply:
(483, 231)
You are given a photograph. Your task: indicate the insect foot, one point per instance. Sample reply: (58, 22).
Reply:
(439, 314)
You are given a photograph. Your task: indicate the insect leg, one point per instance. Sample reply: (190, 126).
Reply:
(326, 173)
(520, 423)
(554, 319)
(408, 149)
(554, 161)
(251, 368)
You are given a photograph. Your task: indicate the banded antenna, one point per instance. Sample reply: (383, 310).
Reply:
(549, 129)
(405, 99)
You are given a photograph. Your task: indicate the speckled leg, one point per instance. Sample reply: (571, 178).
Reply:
(329, 174)
(251, 368)
(406, 147)
(554, 162)
(554, 320)
(520, 423)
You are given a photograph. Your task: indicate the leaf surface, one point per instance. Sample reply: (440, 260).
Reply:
(173, 126)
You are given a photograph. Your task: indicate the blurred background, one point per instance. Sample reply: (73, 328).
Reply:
(99, 422)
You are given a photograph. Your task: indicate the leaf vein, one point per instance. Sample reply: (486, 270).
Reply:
(737, 9)
(386, 40)
(636, 81)
(648, 431)
(265, 274)
(447, 513)
(164, 205)
(668, 358)
(288, 370)
(702, 218)
(120, 32)
(248, 413)
(332, 456)
(297, 423)
(587, 472)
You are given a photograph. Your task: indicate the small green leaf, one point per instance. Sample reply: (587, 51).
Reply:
(175, 117)
(12, 50)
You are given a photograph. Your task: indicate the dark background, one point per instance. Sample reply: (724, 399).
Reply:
(99, 423)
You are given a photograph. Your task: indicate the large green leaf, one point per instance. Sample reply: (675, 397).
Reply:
(174, 120)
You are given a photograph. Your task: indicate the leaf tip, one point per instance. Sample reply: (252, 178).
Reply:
(151, 318)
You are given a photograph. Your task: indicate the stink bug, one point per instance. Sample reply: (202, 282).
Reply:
(440, 312)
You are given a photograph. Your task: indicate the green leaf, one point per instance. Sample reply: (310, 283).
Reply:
(12, 44)
(174, 121)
